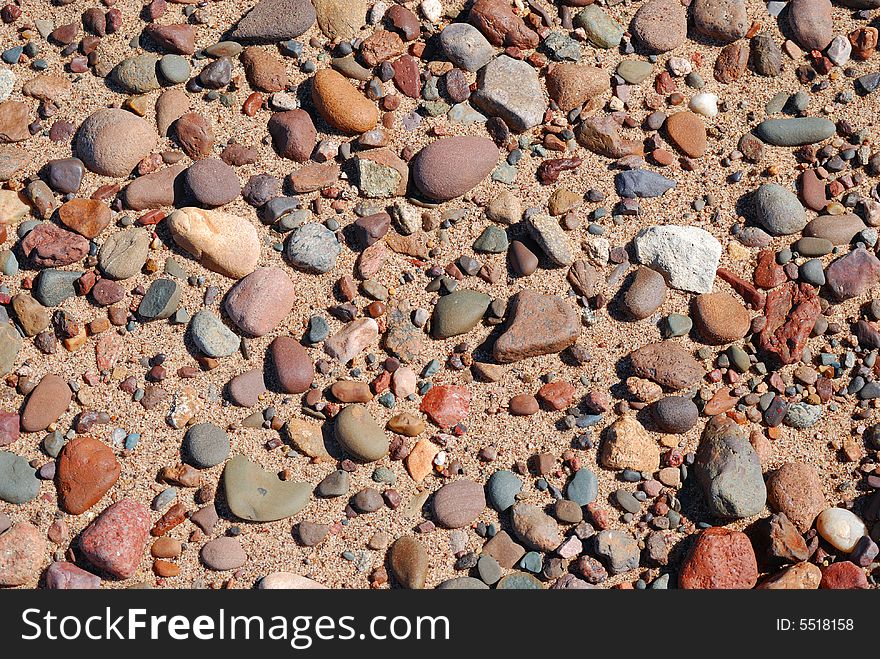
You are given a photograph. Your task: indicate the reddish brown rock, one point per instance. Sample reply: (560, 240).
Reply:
(293, 368)
(791, 311)
(557, 395)
(812, 190)
(720, 559)
(14, 120)
(687, 133)
(179, 39)
(537, 325)
(260, 301)
(749, 293)
(9, 428)
(496, 20)
(406, 76)
(49, 246)
(572, 85)
(380, 47)
(447, 404)
(732, 62)
(796, 490)
(720, 318)
(667, 364)
(600, 133)
(194, 134)
(458, 504)
(768, 273)
(86, 471)
(88, 217)
(115, 541)
(46, 403)
(264, 70)
(843, 576)
(313, 176)
(523, 405)
(452, 166)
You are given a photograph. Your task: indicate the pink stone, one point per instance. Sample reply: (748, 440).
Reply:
(570, 548)
(9, 428)
(114, 542)
(446, 404)
(21, 553)
(260, 301)
(62, 575)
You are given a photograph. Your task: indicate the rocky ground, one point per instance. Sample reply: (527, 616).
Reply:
(439, 294)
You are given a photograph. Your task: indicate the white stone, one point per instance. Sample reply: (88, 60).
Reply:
(704, 103)
(12, 209)
(598, 250)
(7, 82)
(686, 256)
(840, 528)
(432, 10)
(288, 581)
(376, 13)
(839, 50)
(679, 66)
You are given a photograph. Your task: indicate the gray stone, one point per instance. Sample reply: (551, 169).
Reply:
(458, 313)
(124, 253)
(619, 550)
(502, 488)
(465, 46)
(260, 496)
(686, 256)
(729, 470)
(641, 183)
(602, 31)
(313, 248)
(211, 336)
(583, 488)
(778, 210)
(10, 344)
(52, 287)
(160, 301)
(18, 480)
(510, 89)
(796, 131)
(205, 445)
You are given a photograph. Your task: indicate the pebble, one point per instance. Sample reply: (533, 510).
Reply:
(223, 554)
(628, 446)
(46, 403)
(534, 527)
(275, 20)
(797, 131)
(537, 325)
(408, 561)
(292, 366)
(641, 183)
(22, 548)
(114, 541)
(256, 495)
(211, 183)
(729, 470)
(840, 528)
(660, 25)
(293, 134)
(687, 133)
(205, 445)
(550, 237)
(511, 90)
(99, 149)
(644, 294)
(341, 105)
(795, 490)
(720, 318)
(722, 20)
(583, 488)
(313, 248)
(572, 85)
(359, 435)
(619, 549)
(601, 30)
(465, 46)
(778, 210)
(452, 166)
(810, 23)
(211, 336)
(260, 301)
(502, 488)
(86, 471)
(138, 74)
(220, 241)
(18, 481)
(161, 300)
(352, 339)
(675, 414)
(687, 257)
(720, 559)
(458, 504)
(458, 313)
(61, 575)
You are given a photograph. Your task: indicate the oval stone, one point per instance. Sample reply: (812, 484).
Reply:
(221, 242)
(292, 366)
(86, 471)
(359, 434)
(459, 503)
(452, 166)
(342, 105)
(46, 403)
(260, 301)
(98, 145)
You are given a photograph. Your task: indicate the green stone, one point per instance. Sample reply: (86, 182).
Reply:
(174, 68)
(260, 496)
(493, 240)
(160, 301)
(519, 581)
(676, 324)
(634, 71)
(458, 313)
(602, 31)
(10, 344)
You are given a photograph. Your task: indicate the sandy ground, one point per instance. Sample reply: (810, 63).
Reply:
(271, 546)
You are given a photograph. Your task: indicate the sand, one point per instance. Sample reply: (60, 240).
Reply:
(271, 546)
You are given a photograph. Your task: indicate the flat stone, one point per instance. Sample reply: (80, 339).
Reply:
(275, 20)
(313, 248)
(211, 336)
(18, 480)
(796, 131)
(452, 166)
(359, 435)
(408, 561)
(22, 548)
(256, 495)
(795, 490)
(537, 325)
(510, 89)
(221, 554)
(46, 403)
(535, 528)
(86, 470)
(115, 541)
(458, 313)
(628, 446)
(667, 364)
(457, 504)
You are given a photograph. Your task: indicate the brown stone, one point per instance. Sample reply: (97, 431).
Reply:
(293, 368)
(86, 471)
(538, 325)
(496, 20)
(49, 246)
(687, 133)
(796, 491)
(179, 39)
(572, 85)
(195, 135)
(720, 318)
(732, 62)
(88, 217)
(768, 273)
(667, 364)
(791, 311)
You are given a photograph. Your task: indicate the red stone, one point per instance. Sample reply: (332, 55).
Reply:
(48, 245)
(406, 76)
(720, 559)
(791, 311)
(114, 542)
(9, 428)
(446, 404)
(749, 293)
(843, 576)
(768, 273)
(557, 395)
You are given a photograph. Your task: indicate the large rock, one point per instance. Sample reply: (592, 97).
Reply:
(667, 364)
(721, 20)
(729, 470)
(220, 241)
(22, 548)
(114, 542)
(256, 495)
(452, 166)
(796, 490)
(778, 210)
(260, 301)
